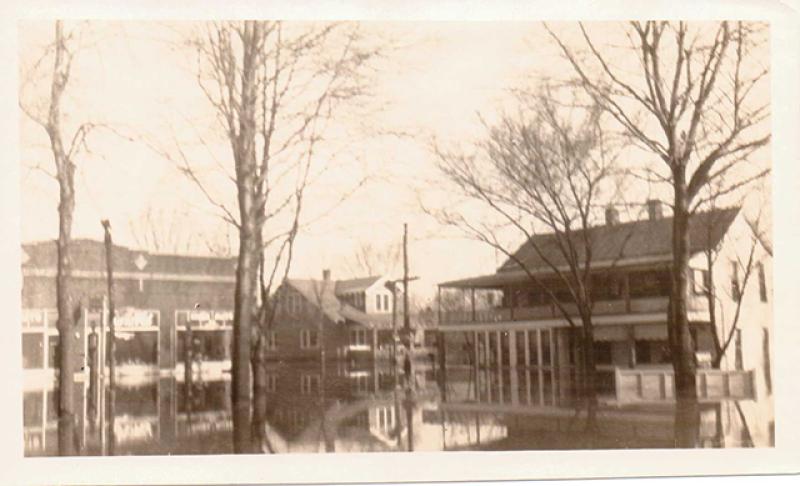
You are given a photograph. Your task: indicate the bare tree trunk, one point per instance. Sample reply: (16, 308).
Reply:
(65, 172)
(66, 359)
(259, 393)
(112, 338)
(243, 315)
(681, 342)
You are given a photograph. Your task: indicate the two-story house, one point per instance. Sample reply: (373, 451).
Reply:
(505, 320)
(342, 319)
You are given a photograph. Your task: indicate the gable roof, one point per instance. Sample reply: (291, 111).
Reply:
(355, 284)
(89, 255)
(325, 297)
(319, 294)
(632, 241)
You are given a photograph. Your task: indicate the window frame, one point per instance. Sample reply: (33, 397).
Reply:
(736, 287)
(305, 339)
(762, 282)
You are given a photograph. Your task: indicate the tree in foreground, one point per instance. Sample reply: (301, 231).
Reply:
(542, 171)
(273, 87)
(46, 111)
(692, 96)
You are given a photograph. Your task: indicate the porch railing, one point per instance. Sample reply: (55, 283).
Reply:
(640, 305)
(654, 385)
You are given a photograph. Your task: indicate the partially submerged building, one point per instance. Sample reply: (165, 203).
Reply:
(506, 320)
(343, 319)
(156, 297)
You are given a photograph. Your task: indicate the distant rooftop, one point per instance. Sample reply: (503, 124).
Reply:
(89, 255)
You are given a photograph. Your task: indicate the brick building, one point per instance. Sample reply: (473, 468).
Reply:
(155, 295)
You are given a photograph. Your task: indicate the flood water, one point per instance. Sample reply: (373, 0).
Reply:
(339, 407)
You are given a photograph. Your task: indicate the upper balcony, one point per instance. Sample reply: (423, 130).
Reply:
(627, 294)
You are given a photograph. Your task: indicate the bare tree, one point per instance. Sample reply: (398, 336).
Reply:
(163, 232)
(374, 260)
(544, 169)
(48, 114)
(742, 267)
(691, 99)
(273, 87)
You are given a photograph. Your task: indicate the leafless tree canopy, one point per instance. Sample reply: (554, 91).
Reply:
(164, 232)
(691, 98)
(274, 88)
(545, 169)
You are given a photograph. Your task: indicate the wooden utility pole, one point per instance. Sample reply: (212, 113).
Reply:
(111, 334)
(406, 317)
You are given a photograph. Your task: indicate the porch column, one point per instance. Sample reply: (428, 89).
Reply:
(527, 350)
(514, 384)
(512, 349)
(539, 347)
(499, 344)
(374, 343)
(486, 349)
(631, 348)
(539, 370)
(475, 356)
(45, 343)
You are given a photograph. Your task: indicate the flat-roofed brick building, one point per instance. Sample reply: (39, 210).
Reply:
(155, 295)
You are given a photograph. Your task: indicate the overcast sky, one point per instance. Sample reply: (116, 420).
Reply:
(433, 83)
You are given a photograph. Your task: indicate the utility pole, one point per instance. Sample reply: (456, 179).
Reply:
(406, 317)
(111, 338)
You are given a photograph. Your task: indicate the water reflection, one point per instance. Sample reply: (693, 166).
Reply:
(311, 407)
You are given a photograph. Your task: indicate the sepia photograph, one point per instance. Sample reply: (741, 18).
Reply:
(268, 237)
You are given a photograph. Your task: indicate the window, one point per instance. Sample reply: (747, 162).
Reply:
(358, 337)
(293, 303)
(762, 282)
(386, 302)
(361, 384)
(378, 302)
(649, 284)
(272, 341)
(767, 361)
(602, 352)
(739, 359)
(309, 384)
(272, 383)
(308, 339)
(736, 291)
(701, 281)
(643, 352)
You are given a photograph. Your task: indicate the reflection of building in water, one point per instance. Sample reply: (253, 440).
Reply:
(155, 296)
(152, 416)
(503, 320)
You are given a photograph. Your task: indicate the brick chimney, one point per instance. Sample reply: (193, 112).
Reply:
(654, 209)
(612, 216)
(326, 274)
